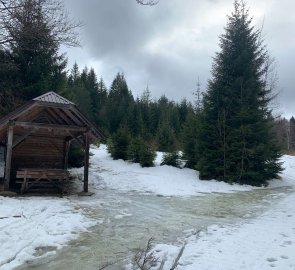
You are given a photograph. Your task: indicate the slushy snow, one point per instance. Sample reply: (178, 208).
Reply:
(32, 226)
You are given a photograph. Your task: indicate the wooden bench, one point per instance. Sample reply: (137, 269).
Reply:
(29, 177)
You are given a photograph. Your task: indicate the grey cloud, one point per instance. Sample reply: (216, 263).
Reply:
(118, 32)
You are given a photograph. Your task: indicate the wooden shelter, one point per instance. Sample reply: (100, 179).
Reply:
(36, 139)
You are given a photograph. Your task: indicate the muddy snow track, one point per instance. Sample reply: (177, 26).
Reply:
(127, 220)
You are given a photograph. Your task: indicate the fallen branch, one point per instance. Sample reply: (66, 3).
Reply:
(144, 259)
(161, 267)
(178, 257)
(11, 216)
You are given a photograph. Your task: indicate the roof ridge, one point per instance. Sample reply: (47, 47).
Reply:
(53, 97)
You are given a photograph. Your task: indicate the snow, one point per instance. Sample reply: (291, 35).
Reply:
(265, 243)
(30, 225)
(34, 227)
(161, 180)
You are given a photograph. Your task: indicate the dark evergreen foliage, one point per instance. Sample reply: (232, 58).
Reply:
(190, 132)
(76, 156)
(236, 143)
(119, 143)
(165, 136)
(134, 149)
(172, 159)
(147, 155)
(119, 103)
(33, 51)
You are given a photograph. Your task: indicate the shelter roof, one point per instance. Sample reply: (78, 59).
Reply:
(48, 112)
(52, 97)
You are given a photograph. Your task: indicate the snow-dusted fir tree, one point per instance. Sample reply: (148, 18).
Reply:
(236, 143)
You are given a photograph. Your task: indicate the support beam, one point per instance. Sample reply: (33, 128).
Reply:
(54, 118)
(73, 117)
(51, 127)
(67, 145)
(22, 138)
(8, 157)
(65, 117)
(78, 139)
(86, 163)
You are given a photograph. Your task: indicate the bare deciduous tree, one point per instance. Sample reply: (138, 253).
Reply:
(62, 27)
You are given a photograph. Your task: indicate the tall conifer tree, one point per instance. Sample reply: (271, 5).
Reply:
(120, 100)
(34, 49)
(236, 143)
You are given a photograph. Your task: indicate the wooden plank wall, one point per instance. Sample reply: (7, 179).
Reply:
(39, 152)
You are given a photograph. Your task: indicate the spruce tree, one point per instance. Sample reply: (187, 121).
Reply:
(34, 49)
(236, 143)
(292, 133)
(102, 118)
(189, 137)
(119, 143)
(172, 159)
(119, 100)
(142, 152)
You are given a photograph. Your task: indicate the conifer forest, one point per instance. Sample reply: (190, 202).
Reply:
(228, 133)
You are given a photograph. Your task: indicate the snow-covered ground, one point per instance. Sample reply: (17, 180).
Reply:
(267, 242)
(32, 226)
(161, 180)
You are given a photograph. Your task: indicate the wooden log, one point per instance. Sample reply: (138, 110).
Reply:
(8, 157)
(24, 184)
(67, 145)
(86, 163)
(73, 117)
(55, 116)
(51, 126)
(17, 216)
(61, 113)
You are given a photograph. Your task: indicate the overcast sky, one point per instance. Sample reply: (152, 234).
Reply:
(170, 45)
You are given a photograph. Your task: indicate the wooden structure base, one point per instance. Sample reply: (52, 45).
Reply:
(31, 177)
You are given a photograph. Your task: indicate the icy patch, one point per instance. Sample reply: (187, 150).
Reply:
(263, 243)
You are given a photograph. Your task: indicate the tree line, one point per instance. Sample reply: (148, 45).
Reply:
(229, 136)
(125, 119)
(285, 134)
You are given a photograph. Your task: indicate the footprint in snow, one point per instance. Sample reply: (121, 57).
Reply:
(271, 259)
(284, 257)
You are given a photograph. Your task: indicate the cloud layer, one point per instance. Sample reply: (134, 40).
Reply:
(170, 45)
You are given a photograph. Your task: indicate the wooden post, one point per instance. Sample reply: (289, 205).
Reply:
(86, 163)
(8, 157)
(66, 153)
